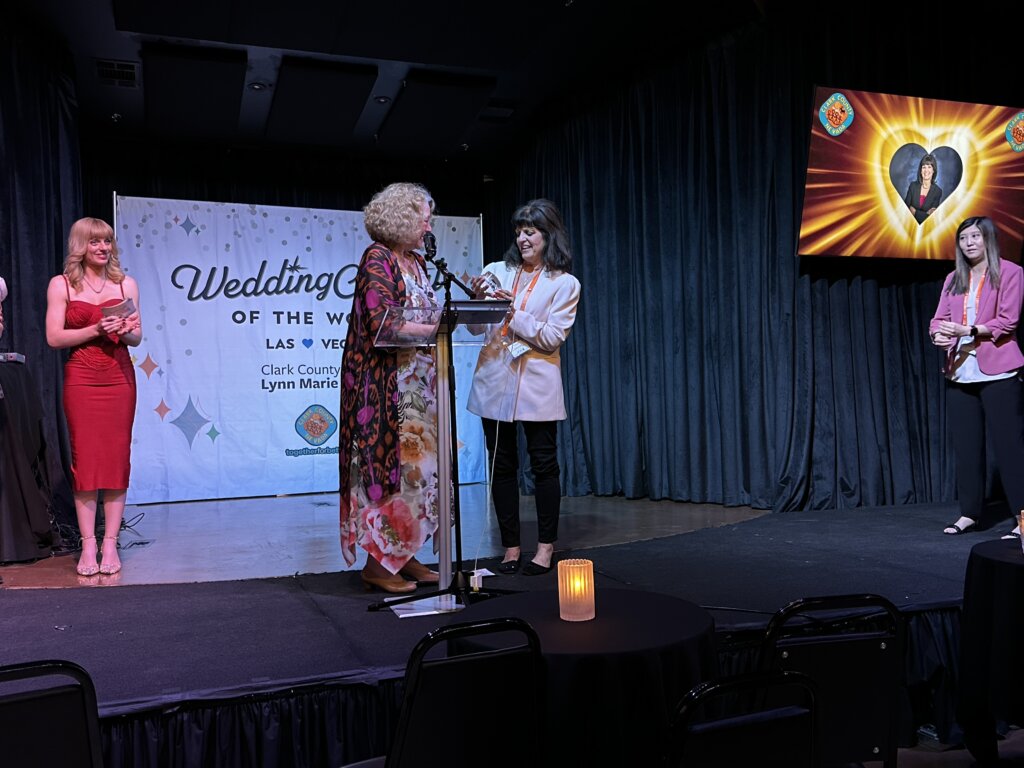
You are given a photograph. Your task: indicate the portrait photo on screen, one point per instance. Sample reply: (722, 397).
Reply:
(892, 176)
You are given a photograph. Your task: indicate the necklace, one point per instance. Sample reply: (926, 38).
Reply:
(102, 285)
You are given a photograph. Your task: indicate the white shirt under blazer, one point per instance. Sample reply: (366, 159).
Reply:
(528, 387)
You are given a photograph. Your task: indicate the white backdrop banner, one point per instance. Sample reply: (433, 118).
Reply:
(244, 310)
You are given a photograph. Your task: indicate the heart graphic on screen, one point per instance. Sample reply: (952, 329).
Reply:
(307, 343)
(903, 175)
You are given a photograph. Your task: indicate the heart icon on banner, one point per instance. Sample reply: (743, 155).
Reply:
(307, 343)
(903, 175)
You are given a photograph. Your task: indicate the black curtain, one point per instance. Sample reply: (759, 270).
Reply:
(709, 363)
(39, 200)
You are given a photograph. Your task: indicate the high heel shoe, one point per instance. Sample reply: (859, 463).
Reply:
(392, 583)
(110, 568)
(418, 572)
(88, 569)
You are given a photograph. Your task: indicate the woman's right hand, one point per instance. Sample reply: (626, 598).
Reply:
(108, 326)
(943, 341)
(480, 285)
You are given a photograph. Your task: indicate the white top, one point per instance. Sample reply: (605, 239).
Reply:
(965, 363)
(527, 387)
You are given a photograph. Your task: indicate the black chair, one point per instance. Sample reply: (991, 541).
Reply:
(470, 706)
(48, 716)
(852, 647)
(754, 718)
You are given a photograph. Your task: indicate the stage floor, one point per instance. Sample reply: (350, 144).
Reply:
(222, 599)
(265, 537)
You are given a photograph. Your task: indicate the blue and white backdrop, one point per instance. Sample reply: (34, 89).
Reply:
(244, 313)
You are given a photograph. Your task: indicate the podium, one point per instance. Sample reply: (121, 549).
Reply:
(433, 326)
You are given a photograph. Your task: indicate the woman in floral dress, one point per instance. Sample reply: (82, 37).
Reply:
(388, 430)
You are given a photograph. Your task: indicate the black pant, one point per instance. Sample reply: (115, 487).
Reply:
(995, 408)
(542, 446)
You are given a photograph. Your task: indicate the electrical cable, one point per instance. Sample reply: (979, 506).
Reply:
(489, 503)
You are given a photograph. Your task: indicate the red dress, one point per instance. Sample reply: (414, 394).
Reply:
(99, 403)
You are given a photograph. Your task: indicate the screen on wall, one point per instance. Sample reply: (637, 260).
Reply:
(893, 176)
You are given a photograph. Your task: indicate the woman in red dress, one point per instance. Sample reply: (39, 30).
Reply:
(92, 309)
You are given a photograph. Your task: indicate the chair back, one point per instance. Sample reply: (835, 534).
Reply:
(852, 646)
(468, 706)
(754, 718)
(48, 716)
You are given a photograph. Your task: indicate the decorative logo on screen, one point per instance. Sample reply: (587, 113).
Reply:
(836, 114)
(316, 425)
(1015, 132)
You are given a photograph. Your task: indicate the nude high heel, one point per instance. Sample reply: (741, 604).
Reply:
(88, 569)
(109, 568)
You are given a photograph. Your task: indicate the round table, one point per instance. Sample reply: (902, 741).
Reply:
(991, 683)
(612, 682)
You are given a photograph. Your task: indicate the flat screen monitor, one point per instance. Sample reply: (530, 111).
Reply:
(893, 176)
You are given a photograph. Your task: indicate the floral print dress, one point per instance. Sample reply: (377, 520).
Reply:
(392, 521)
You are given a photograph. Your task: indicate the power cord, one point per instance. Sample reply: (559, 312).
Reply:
(489, 502)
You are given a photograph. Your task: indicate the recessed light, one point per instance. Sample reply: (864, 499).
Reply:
(382, 99)
(256, 85)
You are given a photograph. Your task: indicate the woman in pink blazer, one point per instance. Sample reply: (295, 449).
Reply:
(976, 323)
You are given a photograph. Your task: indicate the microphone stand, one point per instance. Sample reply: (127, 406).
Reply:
(458, 585)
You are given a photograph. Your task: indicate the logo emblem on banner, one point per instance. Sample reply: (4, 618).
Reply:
(836, 114)
(316, 425)
(1015, 132)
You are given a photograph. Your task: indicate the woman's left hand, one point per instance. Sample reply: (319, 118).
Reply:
(130, 323)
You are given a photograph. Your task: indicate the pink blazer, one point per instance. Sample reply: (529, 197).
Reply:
(998, 310)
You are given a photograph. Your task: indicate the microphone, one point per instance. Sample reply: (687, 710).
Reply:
(429, 245)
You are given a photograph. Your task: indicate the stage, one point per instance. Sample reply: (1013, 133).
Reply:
(195, 664)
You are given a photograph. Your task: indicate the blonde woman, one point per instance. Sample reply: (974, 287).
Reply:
(92, 309)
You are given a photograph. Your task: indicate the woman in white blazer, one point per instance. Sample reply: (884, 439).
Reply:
(518, 379)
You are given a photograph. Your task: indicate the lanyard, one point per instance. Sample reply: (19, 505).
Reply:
(977, 300)
(515, 291)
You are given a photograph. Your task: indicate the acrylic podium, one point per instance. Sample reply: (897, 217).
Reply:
(433, 327)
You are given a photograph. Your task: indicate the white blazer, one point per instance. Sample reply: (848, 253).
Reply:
(528, 387)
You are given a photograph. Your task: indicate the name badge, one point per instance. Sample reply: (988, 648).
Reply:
(518, 349)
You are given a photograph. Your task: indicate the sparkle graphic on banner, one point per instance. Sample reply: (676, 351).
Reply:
(162, 410)
(188, 225)
(212, 433)
(148, 366)
(190, 421)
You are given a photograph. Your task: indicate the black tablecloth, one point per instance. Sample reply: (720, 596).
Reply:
(25, 530)
(991, 644)
(612, 682)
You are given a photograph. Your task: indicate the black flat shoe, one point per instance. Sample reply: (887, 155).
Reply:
(955, 530)
(535, 569)
(510, 566)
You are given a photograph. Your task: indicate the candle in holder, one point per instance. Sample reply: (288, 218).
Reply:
(576, 590)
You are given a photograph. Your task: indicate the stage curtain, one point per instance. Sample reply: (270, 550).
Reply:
(39, 200)
(708, 362)
(307, 725)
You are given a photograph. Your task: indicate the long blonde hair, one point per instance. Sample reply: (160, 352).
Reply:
(82, 231)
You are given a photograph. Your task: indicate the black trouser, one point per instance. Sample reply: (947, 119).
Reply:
(541, 444)
(995, 408)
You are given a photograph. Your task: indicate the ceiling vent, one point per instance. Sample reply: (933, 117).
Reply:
(121, 74)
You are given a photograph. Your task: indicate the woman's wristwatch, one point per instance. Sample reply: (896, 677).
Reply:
(974, 332)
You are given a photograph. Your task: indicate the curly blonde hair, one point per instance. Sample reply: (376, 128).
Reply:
(82, 231)
(393, 216)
